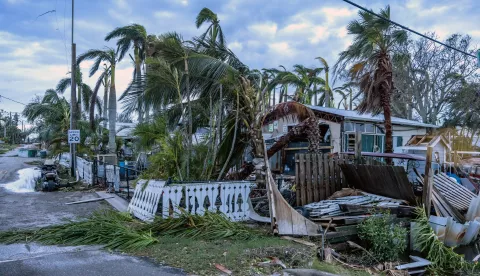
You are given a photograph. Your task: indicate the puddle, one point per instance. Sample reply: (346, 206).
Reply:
(25, 182)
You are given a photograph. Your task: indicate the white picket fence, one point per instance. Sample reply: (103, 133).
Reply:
(229, 198)
(86, 171)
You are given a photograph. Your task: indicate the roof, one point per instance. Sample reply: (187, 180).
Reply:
(423, 141)
(354, 115)
(391, 155)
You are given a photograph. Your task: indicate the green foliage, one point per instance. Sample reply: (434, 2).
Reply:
(444, 260)
(113, 229)
(386, 239)
(209, 226)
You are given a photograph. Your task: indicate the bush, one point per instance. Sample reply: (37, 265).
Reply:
(386, 239)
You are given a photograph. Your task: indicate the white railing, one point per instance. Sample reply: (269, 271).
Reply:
(85, 171)
(229, 198)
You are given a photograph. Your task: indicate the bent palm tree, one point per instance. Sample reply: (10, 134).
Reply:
(214, 31)
(369, 60)
(111, 58)
(135, 36)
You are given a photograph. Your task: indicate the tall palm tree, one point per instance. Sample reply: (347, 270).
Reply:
(326, 88)
(111, 58)
(84, 92)
(214, 30)
(135, 36)
(303, 79)
(106, 86)
(370, 63)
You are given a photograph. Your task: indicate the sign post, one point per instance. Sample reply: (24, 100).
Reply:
(73, 138)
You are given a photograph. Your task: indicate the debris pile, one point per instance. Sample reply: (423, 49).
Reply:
(341, 213)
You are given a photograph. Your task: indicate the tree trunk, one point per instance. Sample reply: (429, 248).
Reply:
(327, 90)
(190, 127)
(112, 112)
(225, 165)
(105, 102)
(138, 75)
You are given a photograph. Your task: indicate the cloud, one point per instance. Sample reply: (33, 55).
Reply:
(164, 14)
(265, 29)
(235, 46)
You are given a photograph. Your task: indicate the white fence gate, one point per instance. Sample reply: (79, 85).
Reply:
(229, 198)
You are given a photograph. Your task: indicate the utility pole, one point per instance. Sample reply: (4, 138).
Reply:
(11, 142)
(73, 101)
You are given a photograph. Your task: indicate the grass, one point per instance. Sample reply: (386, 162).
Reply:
(240, 256)
(193, 243)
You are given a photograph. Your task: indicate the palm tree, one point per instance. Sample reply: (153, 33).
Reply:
(84, 92)
(106, 85)
(214, 31)
(302, 78)
(135, 36)
(111, 58)
(326, 88)
(369, 60)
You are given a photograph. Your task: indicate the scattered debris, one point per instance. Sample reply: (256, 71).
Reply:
(306, 272)
(223, 269)
(304, 242)
(88, 200)
(416, 267)
(273, 261)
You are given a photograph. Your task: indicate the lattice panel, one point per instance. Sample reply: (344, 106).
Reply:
(145, 200)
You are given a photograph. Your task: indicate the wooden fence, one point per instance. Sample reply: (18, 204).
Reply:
(318, 176)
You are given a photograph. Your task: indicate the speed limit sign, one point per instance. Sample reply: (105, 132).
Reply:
(74, 136)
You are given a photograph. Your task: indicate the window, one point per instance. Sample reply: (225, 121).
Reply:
(369, 128)
(348, 126)
(359, 127)
(399, 141)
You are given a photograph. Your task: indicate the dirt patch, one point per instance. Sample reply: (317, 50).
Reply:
(241, 257)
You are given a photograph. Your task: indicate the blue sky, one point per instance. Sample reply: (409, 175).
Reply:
(35, 52)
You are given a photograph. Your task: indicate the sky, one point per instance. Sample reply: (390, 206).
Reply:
(35, 51)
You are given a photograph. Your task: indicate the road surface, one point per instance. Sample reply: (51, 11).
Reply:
(39, 209)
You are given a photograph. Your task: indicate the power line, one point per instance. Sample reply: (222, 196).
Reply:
(62, 37)
(408, 29)
(1, 96)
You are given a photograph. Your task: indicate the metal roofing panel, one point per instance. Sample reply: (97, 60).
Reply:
(354, 115)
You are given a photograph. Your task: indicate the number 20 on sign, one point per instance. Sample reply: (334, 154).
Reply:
(74, 136)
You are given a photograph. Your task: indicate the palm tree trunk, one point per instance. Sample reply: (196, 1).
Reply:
(327, 90)
(315, 94)
(105, 102)
(190, 127)
(112, 112)
(225, 165)
(138, 74)
(274, 92)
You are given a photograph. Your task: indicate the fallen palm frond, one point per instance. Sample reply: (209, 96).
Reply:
(444, 260)
(209, 226)
(113, 229)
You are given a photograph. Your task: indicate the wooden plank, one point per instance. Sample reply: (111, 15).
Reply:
(88, 200)
(428, 182)
(303, 188)
(358, 146)
(315, 182)
(297, 181)
(327, 175)
(321, 177)
(338, 184)
(332, 176)
(308, 175)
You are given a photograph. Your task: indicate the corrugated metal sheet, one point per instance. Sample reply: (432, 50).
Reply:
(354, 115)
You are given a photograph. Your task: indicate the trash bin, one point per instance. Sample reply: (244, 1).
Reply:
(121, 164)
(32, 153)
(43, 154)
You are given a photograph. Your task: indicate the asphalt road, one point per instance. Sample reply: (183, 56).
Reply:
(40, 209)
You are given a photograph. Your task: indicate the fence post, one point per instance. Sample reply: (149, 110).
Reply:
(128, 185)
(428, 182)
